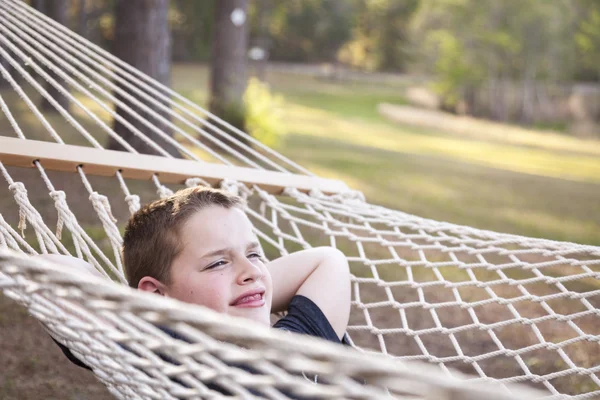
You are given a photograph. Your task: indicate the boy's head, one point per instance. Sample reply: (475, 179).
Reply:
(198, 246)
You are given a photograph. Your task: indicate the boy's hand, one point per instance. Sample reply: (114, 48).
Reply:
(322, 275)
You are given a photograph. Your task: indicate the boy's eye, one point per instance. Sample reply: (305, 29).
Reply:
(216, 264)
(254, 255)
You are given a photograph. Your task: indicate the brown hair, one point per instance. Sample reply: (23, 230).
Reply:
(151, 241)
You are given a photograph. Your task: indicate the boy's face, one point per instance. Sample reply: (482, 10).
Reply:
(220, 266)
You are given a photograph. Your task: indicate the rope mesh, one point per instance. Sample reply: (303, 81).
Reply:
(501, 308)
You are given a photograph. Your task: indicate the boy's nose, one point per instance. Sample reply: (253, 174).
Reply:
(249, 272)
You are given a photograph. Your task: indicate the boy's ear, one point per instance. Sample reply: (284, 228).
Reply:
(150, 284)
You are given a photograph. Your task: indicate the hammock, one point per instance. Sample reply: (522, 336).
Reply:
(430, 299)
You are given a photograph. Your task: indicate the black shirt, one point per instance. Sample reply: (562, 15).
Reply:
(303, 316)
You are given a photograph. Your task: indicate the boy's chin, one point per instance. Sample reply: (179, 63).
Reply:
(259, 315)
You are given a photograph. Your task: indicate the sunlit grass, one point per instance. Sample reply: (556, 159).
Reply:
(335, 130)
(482, 130)
(456, 191)
(316, 122)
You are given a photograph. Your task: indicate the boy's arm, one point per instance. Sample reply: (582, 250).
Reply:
(322, 275)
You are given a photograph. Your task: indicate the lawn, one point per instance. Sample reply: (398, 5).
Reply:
(522, 185)
(511, 180)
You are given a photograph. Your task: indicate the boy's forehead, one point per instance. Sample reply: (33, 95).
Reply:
(216, 225)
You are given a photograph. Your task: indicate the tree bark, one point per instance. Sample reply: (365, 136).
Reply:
(142, 39)
(8, 67)
(262, 39)
(527, 95)
(58, 11)
(82, 19)
(229, 61)
(39, 5)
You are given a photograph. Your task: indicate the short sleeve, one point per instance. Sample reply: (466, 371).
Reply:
(305, 317)
(70, 355)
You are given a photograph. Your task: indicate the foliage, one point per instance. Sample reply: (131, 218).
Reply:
(587, 40)
(192, 24)
(509, 60)
(263, 113)
(379, 38)
(468, 43)
(554, 40)
(501, 183)
(452, 67)
(308, 30)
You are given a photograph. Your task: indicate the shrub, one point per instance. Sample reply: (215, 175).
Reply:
(263, 113)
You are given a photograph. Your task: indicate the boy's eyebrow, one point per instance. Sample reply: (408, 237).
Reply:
(216, 252)
(252, 245)
(229, 249)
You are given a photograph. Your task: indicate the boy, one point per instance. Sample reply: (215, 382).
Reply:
(198, 246)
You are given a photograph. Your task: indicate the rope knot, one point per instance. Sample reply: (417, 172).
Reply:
(292, 192)
(230, 186)
(133, 201)
(20, 194)
(193, 182)
(262, 209)
(316, 193)
(102, 206)
(60, 202)
(164, 192)
(353, 196)
(17, 188)
(58, 196)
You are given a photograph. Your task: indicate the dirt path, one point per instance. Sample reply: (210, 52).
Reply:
(480, 129)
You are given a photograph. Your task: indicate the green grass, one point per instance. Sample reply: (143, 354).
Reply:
(315, 122)
(479, 130)
(456, 191)
(508, 184)
(524, 186)
(351, 101)
(335, 131)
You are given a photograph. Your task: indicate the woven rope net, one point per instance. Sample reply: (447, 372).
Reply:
(499, 308)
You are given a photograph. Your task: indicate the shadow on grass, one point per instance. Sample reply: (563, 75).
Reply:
(458, 192)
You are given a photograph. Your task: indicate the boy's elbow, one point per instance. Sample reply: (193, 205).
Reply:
(339, 289)
(336, 259)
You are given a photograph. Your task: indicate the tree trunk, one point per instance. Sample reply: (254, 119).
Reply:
(470, 98)
(57, 10)
(229, 61)
(262, 40)
(82, 19)
(8, 67)
(39, 5)
(142, 39)
(527, 95)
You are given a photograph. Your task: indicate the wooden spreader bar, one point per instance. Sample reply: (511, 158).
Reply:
(62, 157)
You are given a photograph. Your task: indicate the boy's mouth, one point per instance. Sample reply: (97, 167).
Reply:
(251, 298)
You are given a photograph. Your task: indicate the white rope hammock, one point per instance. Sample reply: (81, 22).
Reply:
(501, 308)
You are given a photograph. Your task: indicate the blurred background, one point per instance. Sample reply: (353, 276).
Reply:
(477, 112)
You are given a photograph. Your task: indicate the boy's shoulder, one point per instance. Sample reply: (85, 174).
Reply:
(305, 317)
